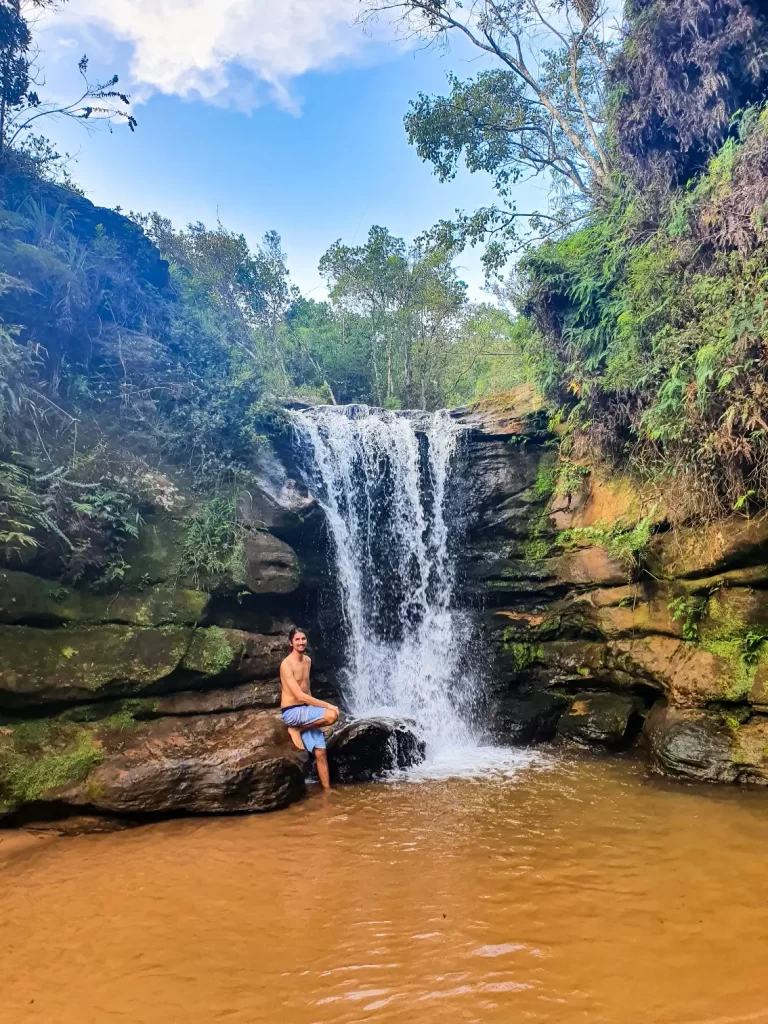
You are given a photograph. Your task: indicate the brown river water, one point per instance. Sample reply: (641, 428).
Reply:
(576, 890)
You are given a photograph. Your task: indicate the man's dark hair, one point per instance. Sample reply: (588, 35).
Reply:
(292, 633)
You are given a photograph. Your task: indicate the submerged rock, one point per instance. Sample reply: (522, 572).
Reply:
(370, 747)
(602, 719)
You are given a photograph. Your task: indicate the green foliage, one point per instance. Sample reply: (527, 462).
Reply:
(752, 646)
(22, 106)
(689, 609)
(538, 110)
(626, 543)
(23, 517)
(40, 756)
(409, 300)
(213, 542)
(522, 655)
(652, 341)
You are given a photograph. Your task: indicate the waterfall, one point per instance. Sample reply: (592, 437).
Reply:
(383, 480)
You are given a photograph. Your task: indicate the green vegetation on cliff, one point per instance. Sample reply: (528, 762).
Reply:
(39, 757)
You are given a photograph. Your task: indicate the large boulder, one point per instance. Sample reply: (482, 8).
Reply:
(708, 746)
(693, 744)
(371, 747)
(529, 719)
(271, 565)
(610, 720)
(204, 764)
(26, 599)
(88, 663)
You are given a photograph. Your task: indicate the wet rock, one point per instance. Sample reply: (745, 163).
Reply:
(610, 720)
(276, 502)
(74, 825)
(531, 719)
(370, 747)
(692, 744)
(205, 764)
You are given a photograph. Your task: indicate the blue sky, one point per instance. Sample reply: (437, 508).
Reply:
(307, 139)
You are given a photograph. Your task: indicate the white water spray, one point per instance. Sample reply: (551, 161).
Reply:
(383, 480)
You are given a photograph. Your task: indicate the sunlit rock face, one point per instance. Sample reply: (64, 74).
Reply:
(581, 644)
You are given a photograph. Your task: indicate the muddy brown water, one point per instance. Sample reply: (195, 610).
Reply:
(575, 891)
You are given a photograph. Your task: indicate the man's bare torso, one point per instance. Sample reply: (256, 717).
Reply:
(298, 669)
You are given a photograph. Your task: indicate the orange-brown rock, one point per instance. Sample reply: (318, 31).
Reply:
(711, 549)
(504, 415)
(590, 565)
(600, 501)
(203, 764)
(638, 620)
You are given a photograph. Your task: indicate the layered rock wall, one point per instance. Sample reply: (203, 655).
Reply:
(158, 695)
(605, 624)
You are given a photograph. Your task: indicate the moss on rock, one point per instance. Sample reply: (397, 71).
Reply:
(25, 598)
(80, 663)
(213, 651)
(39, 757)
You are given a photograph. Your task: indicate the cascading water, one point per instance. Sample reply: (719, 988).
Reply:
(383, 480)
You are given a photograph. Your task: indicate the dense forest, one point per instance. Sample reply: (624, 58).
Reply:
(635, 306)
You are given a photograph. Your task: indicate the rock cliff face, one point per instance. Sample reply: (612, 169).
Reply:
(157, 696)
(605, 627)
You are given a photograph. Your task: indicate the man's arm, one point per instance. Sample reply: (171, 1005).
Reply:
(299, 695)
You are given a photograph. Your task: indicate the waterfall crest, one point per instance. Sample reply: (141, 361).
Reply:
(383, 480)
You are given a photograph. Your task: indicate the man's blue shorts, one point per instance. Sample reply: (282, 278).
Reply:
(303, 714)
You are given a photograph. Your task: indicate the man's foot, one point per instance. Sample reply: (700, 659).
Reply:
(295, 735)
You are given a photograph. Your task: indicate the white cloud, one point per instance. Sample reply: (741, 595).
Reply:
(199, 48)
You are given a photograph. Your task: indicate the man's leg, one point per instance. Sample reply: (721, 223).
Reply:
(321, 761)
(321, 723)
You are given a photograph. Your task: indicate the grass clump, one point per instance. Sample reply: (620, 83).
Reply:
(213, 544)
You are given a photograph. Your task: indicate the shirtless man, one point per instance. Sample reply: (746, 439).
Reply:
(305, 715)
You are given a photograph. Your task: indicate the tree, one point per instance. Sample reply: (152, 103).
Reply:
(410, 298)
(539, 110)
(328, 352)
(21, 106)
(253, 286)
